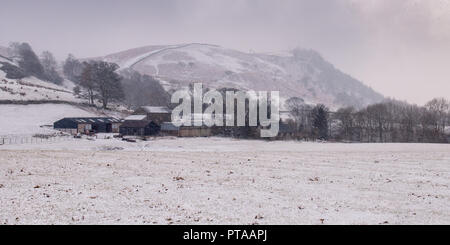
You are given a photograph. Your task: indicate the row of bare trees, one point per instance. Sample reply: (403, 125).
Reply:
(309, 121)
(388, 121)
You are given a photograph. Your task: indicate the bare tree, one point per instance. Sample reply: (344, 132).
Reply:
(49, 65)
(439, 107)
(409, 118)
(87, 80)
(346, 118)
(100, 80)
(107, 82)
(72, 69)
(360, 119)
(379, 117)
(296, 105)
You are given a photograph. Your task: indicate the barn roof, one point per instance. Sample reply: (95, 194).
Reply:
(136, 117)
(135, 123)
(93, 119)
(155, 109)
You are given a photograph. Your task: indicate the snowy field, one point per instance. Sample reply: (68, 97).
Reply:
(28, 119)
(223, 181)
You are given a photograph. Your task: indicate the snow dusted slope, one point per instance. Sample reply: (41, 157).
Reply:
(28, 119)
(302, 73)
(3, 51)
(31, 88)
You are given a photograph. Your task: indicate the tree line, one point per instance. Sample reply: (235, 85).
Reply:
(388, 121)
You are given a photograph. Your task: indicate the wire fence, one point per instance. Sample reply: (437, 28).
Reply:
(16, 140)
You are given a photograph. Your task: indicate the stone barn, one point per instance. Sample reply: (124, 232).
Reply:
(157, 114)
(168, 128)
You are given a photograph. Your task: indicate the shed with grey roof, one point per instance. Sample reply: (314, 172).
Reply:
(139, 128)
(157, 114)
(88, 125)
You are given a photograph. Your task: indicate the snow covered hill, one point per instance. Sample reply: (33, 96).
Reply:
(302, 73)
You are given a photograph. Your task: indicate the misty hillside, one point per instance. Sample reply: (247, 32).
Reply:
(3, 51)
(301, 73)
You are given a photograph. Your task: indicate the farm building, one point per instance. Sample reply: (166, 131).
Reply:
(138, 125)
(197, 128)
(194, 131)
(151, 120)
(168, 128)
(86, 125)
(157, 114)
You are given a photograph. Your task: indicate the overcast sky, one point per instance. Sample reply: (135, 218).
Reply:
(401, 48)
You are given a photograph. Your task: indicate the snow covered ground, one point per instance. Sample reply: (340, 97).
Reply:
(223, 181)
